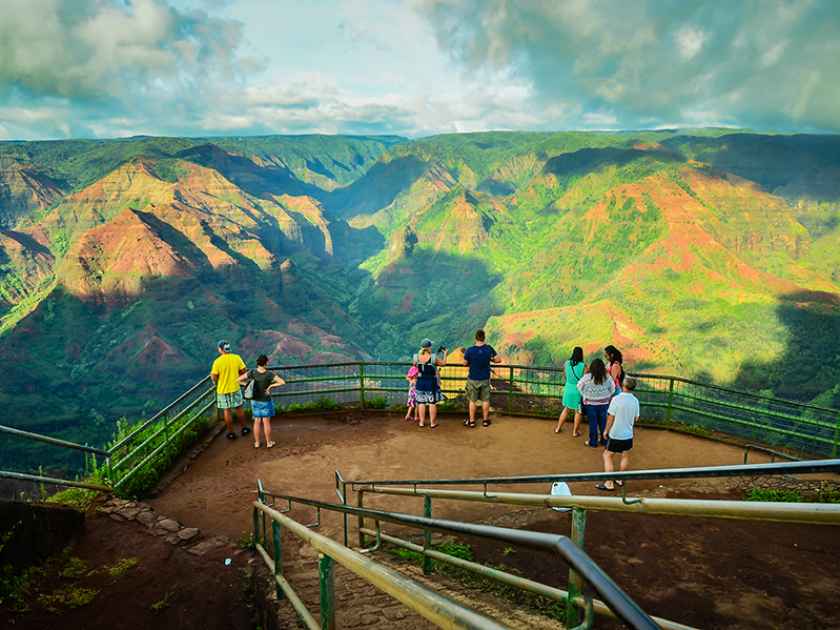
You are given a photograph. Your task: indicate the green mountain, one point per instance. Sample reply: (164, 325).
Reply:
(708, 253)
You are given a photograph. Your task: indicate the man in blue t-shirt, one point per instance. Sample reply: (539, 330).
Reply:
(478, 358)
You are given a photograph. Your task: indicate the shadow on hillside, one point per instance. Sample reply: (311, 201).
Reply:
(260, 181)
(81, 363)
(588, 160)
(375, 189)
(810, 365)
(438, 295)
(802, 165)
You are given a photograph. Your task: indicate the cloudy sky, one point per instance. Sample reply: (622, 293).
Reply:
(105, 68)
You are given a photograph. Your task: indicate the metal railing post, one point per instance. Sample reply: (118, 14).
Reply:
(836, 438)
(361, 503)
(256, 534)
(427, 536)
(510, 389)
(109, 473)
(278, 556)
(345, 516)
(669, 410)
(362, 384)
(326, 578)
(575, 581)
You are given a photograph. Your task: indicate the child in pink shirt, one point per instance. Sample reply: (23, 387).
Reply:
(411, 377)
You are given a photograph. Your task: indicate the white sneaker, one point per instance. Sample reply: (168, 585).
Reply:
(270, 445)
(256, 444)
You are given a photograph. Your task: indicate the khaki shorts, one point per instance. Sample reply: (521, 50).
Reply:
(478, 390)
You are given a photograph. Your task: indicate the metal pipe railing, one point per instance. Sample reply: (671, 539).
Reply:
(37, 437)
(436, 608)
(807, 513)
(53, 481)
(619, 602)
(128, 438)
(517, 581)
(748, 470)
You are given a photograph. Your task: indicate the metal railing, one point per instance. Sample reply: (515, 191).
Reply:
(808, 513)
(150, 443)
(585, 574)
(517, 390)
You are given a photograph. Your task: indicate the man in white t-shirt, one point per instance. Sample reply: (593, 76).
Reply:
(621, 416)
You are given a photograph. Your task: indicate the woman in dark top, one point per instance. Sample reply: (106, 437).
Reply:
(426, 389)
(262, 407)
(615, 366)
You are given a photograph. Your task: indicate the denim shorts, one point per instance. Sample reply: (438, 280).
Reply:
(262, 408)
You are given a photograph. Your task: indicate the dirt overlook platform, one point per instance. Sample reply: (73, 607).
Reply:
(700, 571)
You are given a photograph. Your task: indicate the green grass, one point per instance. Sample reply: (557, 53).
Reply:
(68, 597)
(121, 567)
(784, 495)
(322, 404)
(79, 498)
(378, 402)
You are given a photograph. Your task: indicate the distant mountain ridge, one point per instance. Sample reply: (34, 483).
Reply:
(710, 253)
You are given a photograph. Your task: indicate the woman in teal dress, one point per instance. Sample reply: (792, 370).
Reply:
(571, 396)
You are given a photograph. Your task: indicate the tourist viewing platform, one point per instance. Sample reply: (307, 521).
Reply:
(728, 490)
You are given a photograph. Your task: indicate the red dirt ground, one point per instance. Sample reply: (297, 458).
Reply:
(707, 572)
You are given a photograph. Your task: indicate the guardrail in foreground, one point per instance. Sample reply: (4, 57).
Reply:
(583, 569)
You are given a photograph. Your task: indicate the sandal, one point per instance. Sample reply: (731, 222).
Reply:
(486, 423)
(245, 430)
(256, 444)
(433, 426)
(576, 434)
(469, 423)
(619, 483)
(231, 436)
(603, 486)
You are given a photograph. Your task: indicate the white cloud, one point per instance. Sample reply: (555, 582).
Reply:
(600, 119)
(689, 41)
(753, 62)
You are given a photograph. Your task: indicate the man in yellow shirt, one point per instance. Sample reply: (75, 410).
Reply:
(225, 374)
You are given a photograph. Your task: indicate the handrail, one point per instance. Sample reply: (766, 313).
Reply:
(740, 392)
(53, 481)
(549, 368)
(551, 592)
(434, 607)
(748, 448)
(54, 441)
(619, 602)
(806, 513)
(128, 438)
(779, 468)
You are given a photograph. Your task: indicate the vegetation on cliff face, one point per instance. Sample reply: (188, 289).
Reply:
(708, 253)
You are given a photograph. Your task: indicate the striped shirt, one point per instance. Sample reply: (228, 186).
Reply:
(593, 393)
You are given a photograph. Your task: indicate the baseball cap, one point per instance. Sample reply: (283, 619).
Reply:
(426, 343)
(224, 345)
